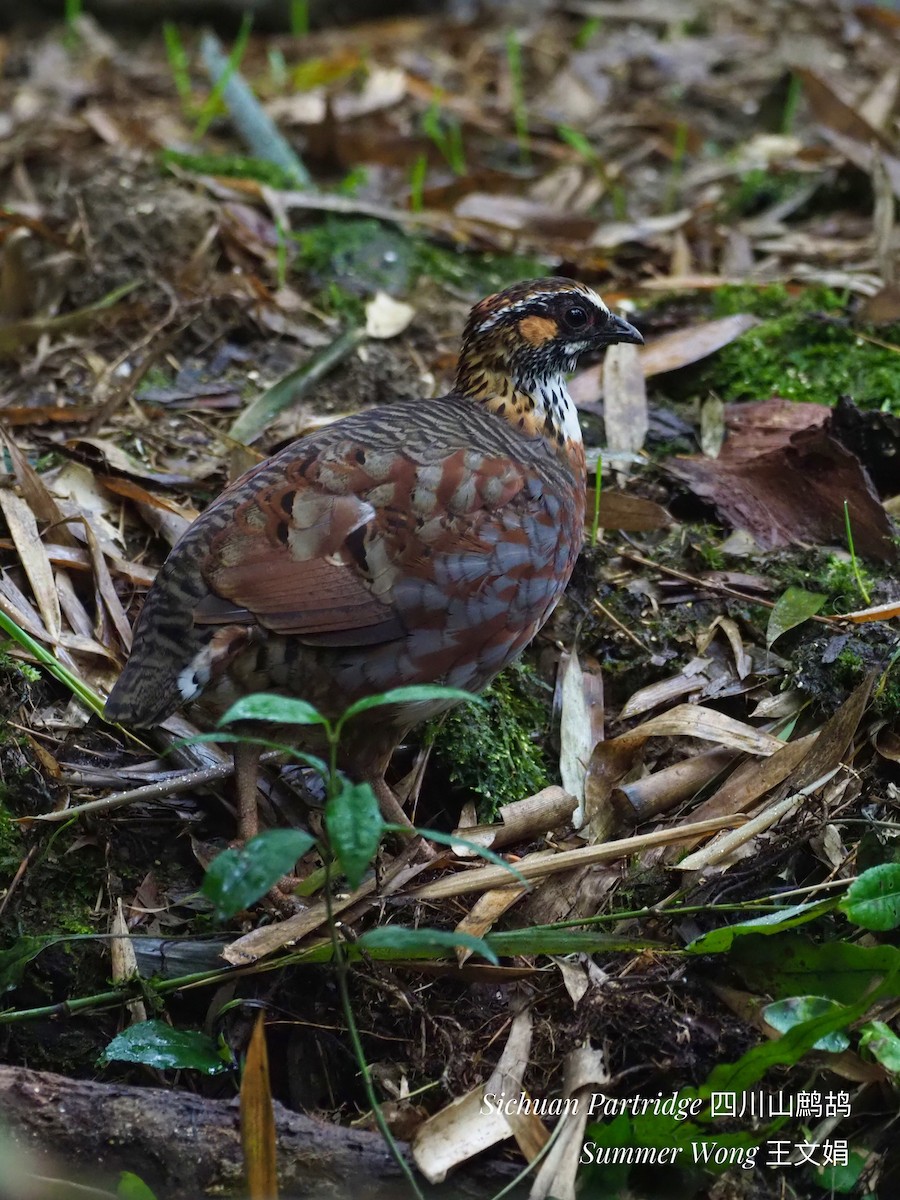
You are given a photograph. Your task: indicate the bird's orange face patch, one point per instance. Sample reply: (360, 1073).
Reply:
(538, 330)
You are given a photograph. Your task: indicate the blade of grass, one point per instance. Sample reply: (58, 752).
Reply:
(75, 685)
(863, 590)
(179, 64)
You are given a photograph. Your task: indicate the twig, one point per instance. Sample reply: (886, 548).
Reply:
(623, 628)
(182, 782)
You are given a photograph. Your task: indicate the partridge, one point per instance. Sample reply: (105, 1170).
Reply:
(424, 542)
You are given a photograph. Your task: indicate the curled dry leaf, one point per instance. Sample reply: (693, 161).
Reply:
(584, 1073)
(793, 493)
(581, 723)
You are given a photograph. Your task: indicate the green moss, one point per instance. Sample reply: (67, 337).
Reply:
(12, 847)
(805, 349)
(493, 752)
(235, 166)
(818, 570)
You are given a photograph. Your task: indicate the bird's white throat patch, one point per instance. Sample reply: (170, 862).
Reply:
(551, 399)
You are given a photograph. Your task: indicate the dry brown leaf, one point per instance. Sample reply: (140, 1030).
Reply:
(258, 1136)
(108, 597)
(632, 514)
(33, 556)
(483, 914)
(124, 965)
(542, 865)
(624, 400)
(746, 785)
(35, 493)
(584, 1074)
(793, 493)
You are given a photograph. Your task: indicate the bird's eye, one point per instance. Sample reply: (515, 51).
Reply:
(576, 317)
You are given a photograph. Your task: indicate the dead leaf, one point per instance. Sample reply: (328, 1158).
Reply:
(258, 1135)
(793, 494)
(33, 557)
(581, 723)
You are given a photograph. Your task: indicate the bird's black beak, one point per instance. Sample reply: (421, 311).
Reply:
(617, 329)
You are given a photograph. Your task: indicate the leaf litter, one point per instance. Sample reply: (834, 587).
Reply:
(712, 176)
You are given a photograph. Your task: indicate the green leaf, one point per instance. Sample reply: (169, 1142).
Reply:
(797, 1010)
(14, 960)
(418, 694)
(717, 941)
(159, 1045)
(546, 940)
(132, 1187)
(792, 608)
(410, 941)
(845, 1177)
(791, 1047)
(882, 1044)
(355, 825)
(264, 706)
(873, 900)
(237, 878)
(793, 965)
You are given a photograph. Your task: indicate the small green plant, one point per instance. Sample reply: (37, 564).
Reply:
(74, 9)
(791, 104)
(679, 150)
(179, 65)
(445, 132)
(517, 86)
(586, 34)
(299, 18)
(354, 827)
(577, 140)
(76, 686)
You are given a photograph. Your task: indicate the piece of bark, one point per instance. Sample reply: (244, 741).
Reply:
(185, 1146)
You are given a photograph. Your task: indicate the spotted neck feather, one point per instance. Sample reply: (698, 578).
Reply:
(538, 407)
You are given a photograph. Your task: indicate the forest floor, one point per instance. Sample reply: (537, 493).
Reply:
(726, 175)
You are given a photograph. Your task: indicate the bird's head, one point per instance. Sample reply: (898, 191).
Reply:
(518, 347)
(535, 332)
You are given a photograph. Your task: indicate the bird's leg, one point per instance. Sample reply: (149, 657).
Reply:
(246, 774)
(390, 806)
(246, 770)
